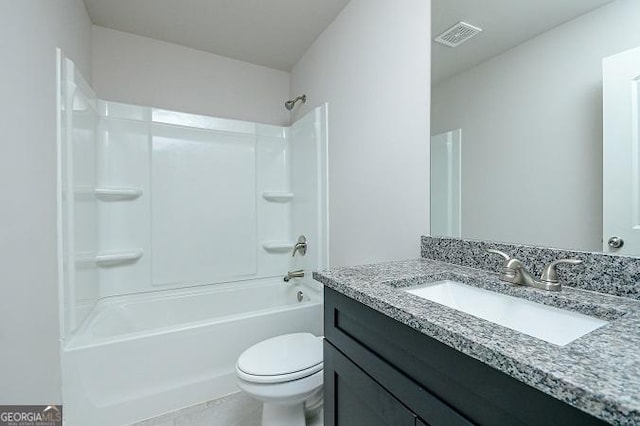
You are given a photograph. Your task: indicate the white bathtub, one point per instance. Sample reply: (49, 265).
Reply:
(141, 355)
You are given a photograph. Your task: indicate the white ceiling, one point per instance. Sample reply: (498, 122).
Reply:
(273, 33)
(505, 24)
(276, 33)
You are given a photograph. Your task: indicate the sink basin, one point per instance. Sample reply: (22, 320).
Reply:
(551, 324)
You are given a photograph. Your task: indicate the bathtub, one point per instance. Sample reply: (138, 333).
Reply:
(142, 355)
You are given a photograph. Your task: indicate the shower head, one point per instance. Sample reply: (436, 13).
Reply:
(292, 102)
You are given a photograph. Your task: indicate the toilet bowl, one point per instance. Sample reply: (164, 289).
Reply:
(285, 374)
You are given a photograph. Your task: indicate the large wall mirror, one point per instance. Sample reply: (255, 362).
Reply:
(520, 151)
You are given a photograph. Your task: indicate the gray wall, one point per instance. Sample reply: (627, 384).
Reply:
(374, 75)
(143, 71)
(372, 65)
(30, 30)
(531, 122)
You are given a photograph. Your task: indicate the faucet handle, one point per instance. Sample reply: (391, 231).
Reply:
(501, 253)
(511, 266)
(300, 246)
(507, 272)
(550, 274)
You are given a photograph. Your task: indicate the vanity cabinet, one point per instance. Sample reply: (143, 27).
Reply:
(378, 371)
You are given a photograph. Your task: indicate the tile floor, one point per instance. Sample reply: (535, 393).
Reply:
(236, 409)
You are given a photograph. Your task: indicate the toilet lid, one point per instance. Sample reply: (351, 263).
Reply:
(282, 355)
(280, 378)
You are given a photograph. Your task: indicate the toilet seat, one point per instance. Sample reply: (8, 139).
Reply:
(279, 378)
(281, 359)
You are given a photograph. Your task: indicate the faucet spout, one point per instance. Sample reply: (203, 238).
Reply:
(514, 271)
(293, 274)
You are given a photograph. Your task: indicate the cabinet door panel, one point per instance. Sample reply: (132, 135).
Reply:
(355, 399)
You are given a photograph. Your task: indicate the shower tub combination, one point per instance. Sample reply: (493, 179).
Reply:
(175, 232)
(138, 356)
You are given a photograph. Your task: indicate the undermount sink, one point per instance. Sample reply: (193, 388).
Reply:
(551, 324)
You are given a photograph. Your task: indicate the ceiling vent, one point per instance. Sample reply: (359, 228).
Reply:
(458, 34)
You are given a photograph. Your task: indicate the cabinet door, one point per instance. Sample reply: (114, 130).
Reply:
(352, 398)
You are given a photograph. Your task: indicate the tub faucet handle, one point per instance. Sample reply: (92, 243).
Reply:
(301, 246)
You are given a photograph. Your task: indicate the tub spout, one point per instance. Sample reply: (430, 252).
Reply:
(293, 274)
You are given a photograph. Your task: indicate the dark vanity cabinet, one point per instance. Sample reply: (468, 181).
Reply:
(378, 371)
(357, 399)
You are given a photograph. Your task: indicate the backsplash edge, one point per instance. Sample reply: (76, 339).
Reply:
(600, 272)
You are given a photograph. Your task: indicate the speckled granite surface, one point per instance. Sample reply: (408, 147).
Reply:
(598, 373)
(604, 273)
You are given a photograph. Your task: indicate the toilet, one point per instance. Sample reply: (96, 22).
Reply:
(285, 374)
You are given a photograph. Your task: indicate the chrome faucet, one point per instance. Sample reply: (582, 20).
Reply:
(293, 274)
(514, 271)
(301, 246)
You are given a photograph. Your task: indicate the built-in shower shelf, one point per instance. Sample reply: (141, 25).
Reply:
(107, 257)
(278, 246)
(277, 196)
(113, 194)
(114, 257)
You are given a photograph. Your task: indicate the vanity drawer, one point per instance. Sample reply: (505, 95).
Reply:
(431, 378)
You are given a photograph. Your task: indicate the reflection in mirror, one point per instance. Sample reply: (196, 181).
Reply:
(621, 171)
(445, 184)
(527, 93)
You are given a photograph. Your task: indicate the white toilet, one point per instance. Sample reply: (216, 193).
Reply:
(285, 373)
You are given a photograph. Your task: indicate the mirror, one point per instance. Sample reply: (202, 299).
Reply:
(517, 119)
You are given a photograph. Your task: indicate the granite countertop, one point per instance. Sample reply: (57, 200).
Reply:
(598, 373)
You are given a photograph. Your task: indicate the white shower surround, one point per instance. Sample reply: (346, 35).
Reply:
(175, 232)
